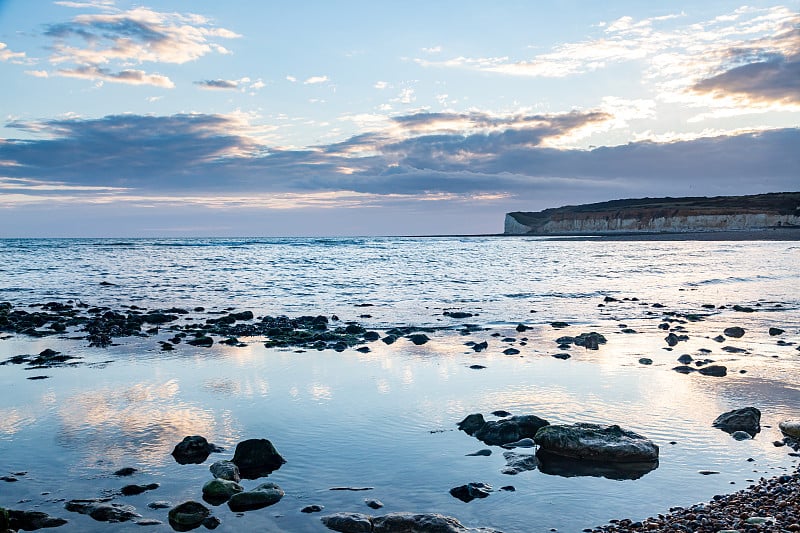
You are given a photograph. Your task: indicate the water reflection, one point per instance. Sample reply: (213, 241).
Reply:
(556, 465)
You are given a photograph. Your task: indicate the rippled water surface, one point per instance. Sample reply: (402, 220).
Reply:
(386, 419)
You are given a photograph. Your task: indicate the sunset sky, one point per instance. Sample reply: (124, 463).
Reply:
(283, 118)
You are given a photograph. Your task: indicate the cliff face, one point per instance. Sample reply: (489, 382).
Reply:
(674, 215)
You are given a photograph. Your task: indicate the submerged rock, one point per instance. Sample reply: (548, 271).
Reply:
(101, 510)
(256, 458)
(747, 419)
(188, 515)
(470, 491)
(597, 443)
(519, 462)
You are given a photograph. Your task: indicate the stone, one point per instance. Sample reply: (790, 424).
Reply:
(714, 370)
(776, 331)
(790, 428)
(480, 346)
(747, 419)
(312, 509)
(188, 515)
(218, 491)
(510, 351)
(685, 359)
(419, 338)
(256, 458)
(509, 429)
(193, 449)
(225, 470)
(563, 356)
(735, 332)
(205, 342)
(374, 504)
(348, 522)
(263, 495)
(741, 435)
(471, 423)
(28, 520)
(590, 341)
(422, 523)
(521, 443)
(470, 491)
(597, 443)
(132, 490)
(519, 462)
(161, 504)
(645, 361)
(480, 453)
(683, 369)
(127, 471)
(102, 511)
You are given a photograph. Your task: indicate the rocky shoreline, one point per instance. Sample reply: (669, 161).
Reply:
(580, 449)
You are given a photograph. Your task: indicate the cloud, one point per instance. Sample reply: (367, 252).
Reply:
(733, 62)
(7, 55)
(381, 85)
(37, 73)
(219, 161)
(291, 79)
(316, 79)
(406, 96)
(218, 84)
(102, 42)
(129, 76)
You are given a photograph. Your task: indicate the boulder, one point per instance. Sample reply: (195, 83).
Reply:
(596, 443)
(735, 332)
(188, 515)
(225, 470)
(790, 428)
(747, 419)
(193, 449)
(348, 522)
(472, 423)
(470, 491)
(101, 510)
(262, 496)
(421, 523)
(256, 458)
(217, 491)
(510, 429)
(28, 520)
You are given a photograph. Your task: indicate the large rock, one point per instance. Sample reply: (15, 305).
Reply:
(225, 470)
(596, 443)
(218, 491)
(27, 520)
(256, 458)
(193, 449)
(188, 515)
(512, 429)
(747, 419)
(101, 510)
(472, 423)
(398, 523)
(262, 496)
(791, 428)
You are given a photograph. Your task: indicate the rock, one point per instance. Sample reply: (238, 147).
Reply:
(743, 309)
(480, 346)
(371, 336)
(685, 359)
(741, 435)
(471, 423)
(596, 442)
(522, 327)
(256, 458)
(510, 429)
(188, 515)
(519, 462)
(673, 339)
(559, 325)
(422, 523)
(714, 370)
(225, 470)
(312, 508)
(501, 413)
(775, 331)
(161, 504)
(477, 367)
(205, 342)
(510, 351)
(480, 453)
(457, 314)
(790, 428)
(590, 341)
(102, 511)
(28, 520)
(218, 491)
(470, 491)
(348, 522)
(719, 338)
(132, 490)
(262, 496)
(521, 443)
(148, 522)
(374, 504)
(645, 361)
(563, 356)
(193, 449)
(419, 338)
(127, 471)
(736, 332)
(683, 369)
(733, 349)
(747, 419)
(389, 339)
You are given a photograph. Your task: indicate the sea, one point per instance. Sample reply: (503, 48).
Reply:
(386, 420)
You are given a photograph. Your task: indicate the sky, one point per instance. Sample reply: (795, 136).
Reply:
(319, 118)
